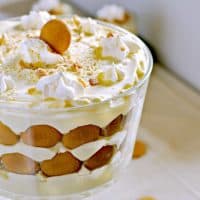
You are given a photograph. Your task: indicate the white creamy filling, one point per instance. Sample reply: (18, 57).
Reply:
(82, 153)
(85, 151)
(36, 153)
(111, 12)
(35, 20)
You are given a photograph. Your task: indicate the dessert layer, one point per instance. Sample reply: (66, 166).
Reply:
(82, 153)
(47, 136)
(43, 148)
(41, 185)
(19, 120)
(59, 165)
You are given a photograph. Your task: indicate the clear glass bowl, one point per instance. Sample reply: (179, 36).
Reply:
(73, 167)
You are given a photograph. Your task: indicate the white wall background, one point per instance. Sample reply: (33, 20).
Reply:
(172, 27)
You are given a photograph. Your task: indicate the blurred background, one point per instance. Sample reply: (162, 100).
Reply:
(170, 124)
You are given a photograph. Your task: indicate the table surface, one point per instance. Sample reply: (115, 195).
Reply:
(170, 126)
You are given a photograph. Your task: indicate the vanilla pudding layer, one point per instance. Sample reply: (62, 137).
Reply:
(64, 121)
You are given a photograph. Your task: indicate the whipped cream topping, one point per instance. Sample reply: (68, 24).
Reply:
(46, 5)
(100, 63)
(60, 85)
(36, 51)
(114, 47)
(111, 13)
(6, 83)
(35, 20)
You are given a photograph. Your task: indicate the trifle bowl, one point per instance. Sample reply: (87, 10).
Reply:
(71, 97)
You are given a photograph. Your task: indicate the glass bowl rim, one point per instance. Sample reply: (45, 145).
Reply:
(132, 90)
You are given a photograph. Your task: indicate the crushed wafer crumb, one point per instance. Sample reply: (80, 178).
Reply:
(41, 72)
(110, 34)
(83, 83)
(93, 81)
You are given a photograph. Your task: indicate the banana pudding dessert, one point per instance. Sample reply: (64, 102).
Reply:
(71, 96)
(117, 15)
(54, 7)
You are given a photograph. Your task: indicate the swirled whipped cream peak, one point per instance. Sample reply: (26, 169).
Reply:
(114, 46)
(49, 61)
(60, 85)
